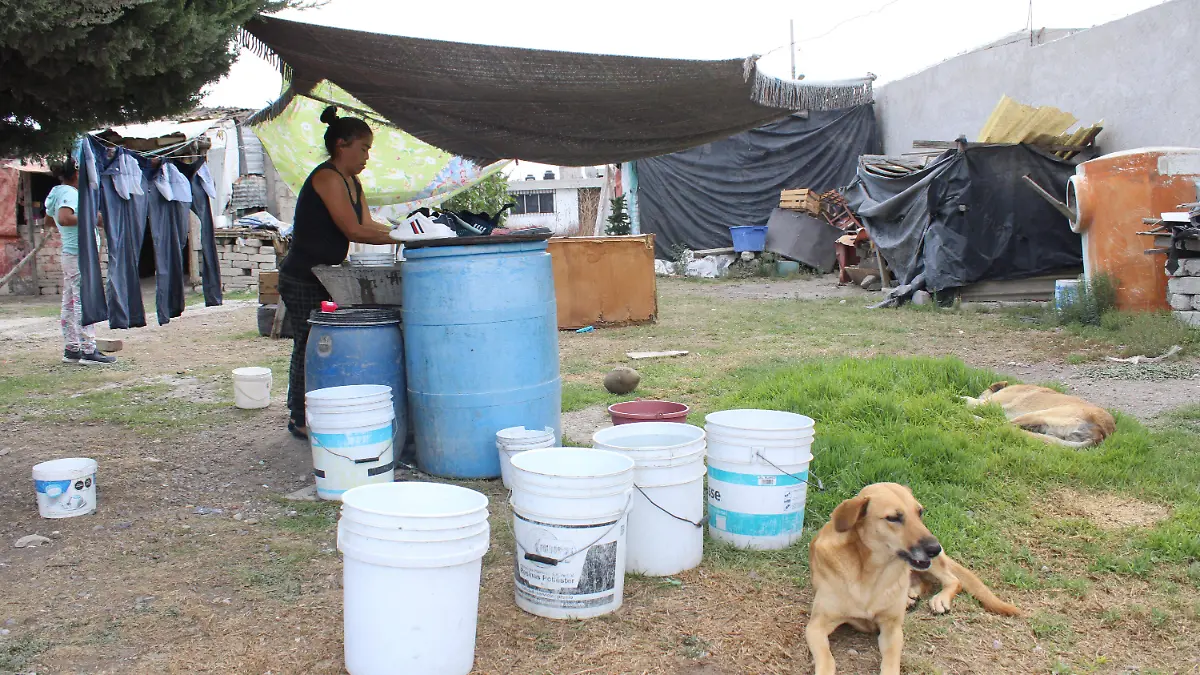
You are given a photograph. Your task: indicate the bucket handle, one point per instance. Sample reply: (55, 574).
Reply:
(820, 486)
(695, 523)
(254, 399)
(367, 460)
(546, 560)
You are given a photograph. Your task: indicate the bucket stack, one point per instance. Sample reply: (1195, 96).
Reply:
(352, 433)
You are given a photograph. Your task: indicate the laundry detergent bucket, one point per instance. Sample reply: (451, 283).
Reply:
(252, 388)
(353, 444)
(412, 557)
(65, 487)
(570, 513)
(666, 524)
(758, 477)
(513, 440)
(647, 411)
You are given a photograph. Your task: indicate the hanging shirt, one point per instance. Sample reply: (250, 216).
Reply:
(64, 196)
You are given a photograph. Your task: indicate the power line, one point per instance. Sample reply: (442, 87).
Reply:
(853, 18)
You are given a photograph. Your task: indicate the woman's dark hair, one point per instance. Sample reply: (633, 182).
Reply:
(342, 129)
(64, 170)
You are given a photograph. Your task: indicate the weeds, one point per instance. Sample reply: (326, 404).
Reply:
(1089, 301)
(16, 653)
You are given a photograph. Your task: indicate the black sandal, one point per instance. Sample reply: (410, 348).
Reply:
(297, 431)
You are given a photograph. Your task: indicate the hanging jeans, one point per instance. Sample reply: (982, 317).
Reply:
(124, 234)
(91, 283)
(300, 298)
(76, 336)
(202, 207)
(168, 230)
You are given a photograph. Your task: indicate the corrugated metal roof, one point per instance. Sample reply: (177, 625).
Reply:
(252, 150)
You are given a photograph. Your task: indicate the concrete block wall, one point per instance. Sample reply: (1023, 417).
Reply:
(1183, 291)
(242, 258)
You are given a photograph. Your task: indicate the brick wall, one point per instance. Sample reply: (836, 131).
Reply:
(242, 258)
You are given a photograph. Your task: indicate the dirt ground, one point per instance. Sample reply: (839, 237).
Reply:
(196, 563)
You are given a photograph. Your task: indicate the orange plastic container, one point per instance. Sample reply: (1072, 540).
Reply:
(1111, 195)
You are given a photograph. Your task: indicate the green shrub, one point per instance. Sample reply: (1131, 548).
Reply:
(1090, 302)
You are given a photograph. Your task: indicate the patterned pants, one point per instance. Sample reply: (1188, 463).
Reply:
(300, 298)
(76, 336)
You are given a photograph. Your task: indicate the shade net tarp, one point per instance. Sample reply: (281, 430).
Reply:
(970, 217)
(403, 173)
(562, 108)
(690, 199)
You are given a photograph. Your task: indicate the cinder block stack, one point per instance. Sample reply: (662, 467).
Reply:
(242, 258)
(1183, 291)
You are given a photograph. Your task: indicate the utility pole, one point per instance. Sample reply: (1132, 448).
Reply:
(792, 32)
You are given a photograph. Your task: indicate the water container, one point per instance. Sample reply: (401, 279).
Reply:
(514, 440)
(352, 434)
(252, 388)
(757, 477)
(482, 339)
(65, 487)
(570, 511)
(666, 525)
(358, 346)
(413, 554)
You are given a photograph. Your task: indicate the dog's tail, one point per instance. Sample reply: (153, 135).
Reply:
(973, 585)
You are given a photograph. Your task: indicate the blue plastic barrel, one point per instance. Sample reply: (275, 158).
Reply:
(481, 332)
(358, 346)
(748, 238)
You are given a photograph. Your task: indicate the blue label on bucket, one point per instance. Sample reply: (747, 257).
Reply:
(356, 439)
(53, 488)
(755, 524)
(757, 479)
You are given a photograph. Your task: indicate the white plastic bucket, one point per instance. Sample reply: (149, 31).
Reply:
(252, 388)
(570, 510)
(666, 526)
(413, 553)
(758, 477)
(352, 436)
(65, 487)
(512, 440)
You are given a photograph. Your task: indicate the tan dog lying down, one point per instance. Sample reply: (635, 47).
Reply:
(870, 563)
(1048, 415)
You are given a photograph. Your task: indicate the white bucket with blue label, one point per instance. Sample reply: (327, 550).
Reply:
(758, 463)
(352, 439)
(65, 487)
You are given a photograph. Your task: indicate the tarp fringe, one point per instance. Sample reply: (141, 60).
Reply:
(274, 110)
(264, 52)
(775, 92)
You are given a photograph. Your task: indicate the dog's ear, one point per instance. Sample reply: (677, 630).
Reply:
(848, 513)
(997, 386)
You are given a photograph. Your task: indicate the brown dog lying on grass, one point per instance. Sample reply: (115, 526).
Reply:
(870, 563)
(1048, 415)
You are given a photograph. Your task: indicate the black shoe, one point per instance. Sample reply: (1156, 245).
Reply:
(96, 358)
(71, 355)
(297, 431)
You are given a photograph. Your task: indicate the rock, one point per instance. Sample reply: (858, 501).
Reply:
(1190, 318)
(30, 541)
(4, 451)
(143, 602)
(202, 470)
(1179, 301)
(238, 516)
(851, 652)
(123, 525)
(56, 534)
(4, 631)
(304, 494)
(207, 510)
(109, 345)
(922, 298)
(869, 280)
(622, 380)
(747, 256)
(1184, 285)
(996, 644)
(252, 521)
(97, 528)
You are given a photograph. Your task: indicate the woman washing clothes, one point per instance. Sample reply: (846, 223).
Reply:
(330, 214)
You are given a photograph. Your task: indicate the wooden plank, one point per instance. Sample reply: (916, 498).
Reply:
(638, 356)
(951, 145)
(277, 324)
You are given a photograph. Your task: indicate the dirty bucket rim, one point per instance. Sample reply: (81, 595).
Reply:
(348, 506)
(673, 428)
(614, 410)
(533, 455)
(252, 372)
(347, 392)
(805, 423)
(77, 467)
(527, 435)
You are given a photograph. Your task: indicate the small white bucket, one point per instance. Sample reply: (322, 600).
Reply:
(512, 440)
(352, 444)
(758, 477)
(570, 510)
(666, 527)
(252, 388)
(65, 487)
(413, 554)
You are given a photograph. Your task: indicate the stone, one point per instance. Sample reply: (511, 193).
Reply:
(252, 521)
(238, 517)
(31, 541)
(922, 298)
(747, 256)
(304, 494)
(1180, 302)
(1184, 285)
(868, 280)
(237, 256)
(622, 380)
(263, 257)
(252, 243)
(1190, 318)
(1195, 304)
(123, 525)
(1188, 267)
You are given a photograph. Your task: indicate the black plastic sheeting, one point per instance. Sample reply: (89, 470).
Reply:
(691, 198)
(970, 217)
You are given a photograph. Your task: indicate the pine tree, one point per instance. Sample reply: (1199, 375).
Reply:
(75, 65)
(619, 222)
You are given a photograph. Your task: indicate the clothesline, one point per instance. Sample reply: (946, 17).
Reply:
(167, 150)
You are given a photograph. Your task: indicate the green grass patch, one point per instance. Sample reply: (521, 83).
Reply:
(1130, 333)
(17, 653)
(311, 517)
(901, 420)
(579, 395)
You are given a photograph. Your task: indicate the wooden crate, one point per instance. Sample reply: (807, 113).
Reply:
(268, 288)
(800, 200)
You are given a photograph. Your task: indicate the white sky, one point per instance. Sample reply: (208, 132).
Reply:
(845, 38)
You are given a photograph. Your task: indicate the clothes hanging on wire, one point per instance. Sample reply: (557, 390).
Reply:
(202, 193)
(168, 230)
(91, 283)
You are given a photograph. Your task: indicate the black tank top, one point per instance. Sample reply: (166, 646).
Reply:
(316, 239)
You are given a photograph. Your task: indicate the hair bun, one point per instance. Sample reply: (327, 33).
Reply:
(329, 115)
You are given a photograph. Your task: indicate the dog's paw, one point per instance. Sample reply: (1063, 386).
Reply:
(939, 604)
(914, 596)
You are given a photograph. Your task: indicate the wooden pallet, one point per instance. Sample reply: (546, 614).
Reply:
(800, 200)
(268, 288)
